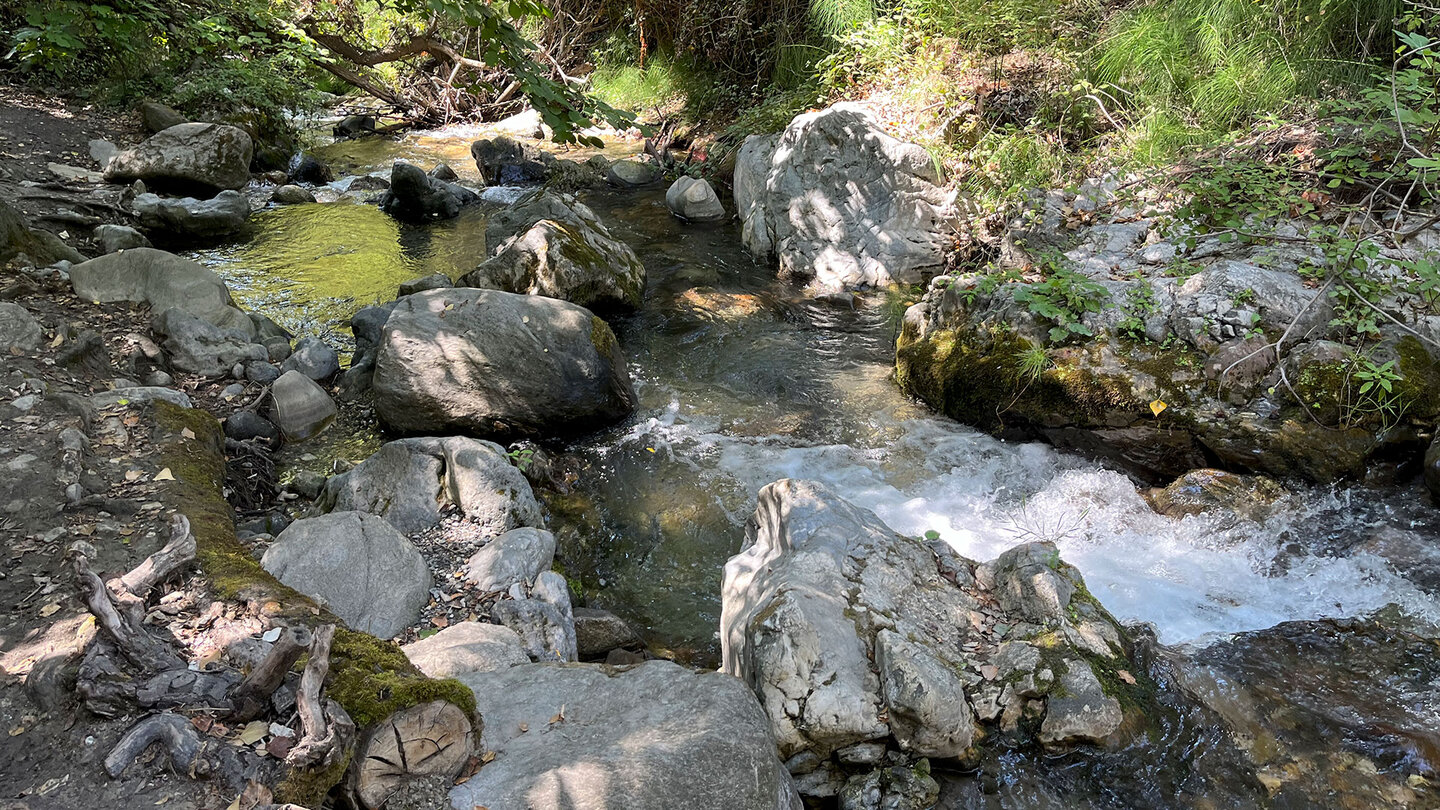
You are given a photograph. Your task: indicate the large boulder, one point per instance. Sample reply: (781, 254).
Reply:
(415, 196)
(358, 565)
(587, 737)
(190, 219)
(504, 161)
(409, 482)
(836, 200)
(553, 245)
(496, 363)
(693, 199)
(194, 345)
(852, 634)
(207, 157)
(162, 280)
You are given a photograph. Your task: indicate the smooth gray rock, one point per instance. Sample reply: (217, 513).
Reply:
(504, 161)
(119, 237)
(597, 632)
(466, 648)
(156, 117)
(205, 156)
(191, 219)
(101, 151)
(552, 245)
(363, 570)
(262, 372)
(443, 172)
(19, 331)
(434, 281)
(630, 173)
(519, 555)
(1080, 711)
(704, 746)
(408, 481)
(162, 280)
(292, 195)
(368, 324)
(495, 363)
(836, 200)
(692, 198)
(313, 358)
(416, 197)
(196, 346)
(299, 407)
(245, 425)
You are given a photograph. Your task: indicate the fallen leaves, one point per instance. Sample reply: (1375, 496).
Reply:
(50, 609)
(164, 475)
(1125, 676)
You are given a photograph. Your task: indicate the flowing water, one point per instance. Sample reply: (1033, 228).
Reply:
(742, 381)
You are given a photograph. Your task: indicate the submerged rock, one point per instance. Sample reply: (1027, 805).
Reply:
(409, 482)
(850, 633)
(836, 200)
(498, 364)
(187, 156)
(190, 219)
(553, 245)
(358, 565)
(1252, 497)
(705, 746)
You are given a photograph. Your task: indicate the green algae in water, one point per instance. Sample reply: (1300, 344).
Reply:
(310, 267)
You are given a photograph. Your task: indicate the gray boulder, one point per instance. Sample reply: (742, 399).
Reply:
(519, 555)
(162, 280)
(466, 648)
(210, 157)
(630, 173)
(156, 117)
(299, 407)
(597, 632)
(409, 481)
(504, 161)
(140, 393)
(705, 746)
(197, 346)
(416, 197)
(292, 195)
(189, 219)
(838, 201)
(19, 331)
(434, 281)
(246, 425)
(692, 198)
(358, 566)
(553, 245)
(313, 358)
(114, 238)
(498, 364)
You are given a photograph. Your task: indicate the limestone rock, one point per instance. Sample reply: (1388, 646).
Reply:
(113, 238)
(553, 245)
(299, 407)
(705, 746)
(408, 481)
(498, 364)
(519, 555)
(692, 198)
(1080, 710)
(187, 156)
(466, 648)
(837, 200)
(364, 571)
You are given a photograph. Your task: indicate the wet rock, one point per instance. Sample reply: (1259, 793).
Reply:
(417, 197)
(196, 346)
(313, 358)
(631, 173)
(246, 425)
(1080, 710)
(519, 555)
(504, 161)
(307, 168)
(443, 172)
(299, 407)
(886, 217)
(162, 280)
(409, 481)
(466, 648)
(19, 332)
(189, 219)
(113, 238)
(1252, 497)
(498, 364)
(597, 632)
(692, 198)
(553, 245)
(901, 787)
(292, 195)
(187, 156)
(354, 125)
(434, 281)
(706, 745)
(1032, 581)
(363, 570)
(156, 117)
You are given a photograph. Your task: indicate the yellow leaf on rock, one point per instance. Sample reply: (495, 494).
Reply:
(254, 732)
(1157, 406)
(165, 475)
(1125, 676)
(49, 609)
(187, 433)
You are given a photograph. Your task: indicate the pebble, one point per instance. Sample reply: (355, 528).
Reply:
(235, 389)
(25, 403)
(74, 493)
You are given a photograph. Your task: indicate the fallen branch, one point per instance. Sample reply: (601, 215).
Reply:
(146, 652)
(252, 696)
(327, 731)
(181, 740)
(176, 554)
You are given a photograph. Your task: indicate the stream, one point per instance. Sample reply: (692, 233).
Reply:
(742, 380)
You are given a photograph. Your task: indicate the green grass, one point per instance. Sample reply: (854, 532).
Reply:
(630, 87)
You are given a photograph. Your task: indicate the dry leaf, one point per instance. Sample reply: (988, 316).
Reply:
(1125, 676)
(559, 716)
(1156, 406)
(202, 723)
(49, 610)
(253, 732)
(165, 475)
(487, 757)
(187, 433)
(440, 621)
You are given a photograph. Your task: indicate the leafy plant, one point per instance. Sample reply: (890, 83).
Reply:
(1064, 299)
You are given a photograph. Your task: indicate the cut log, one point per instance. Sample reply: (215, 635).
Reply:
(252, 696)
(431, 739)
(327, 732)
